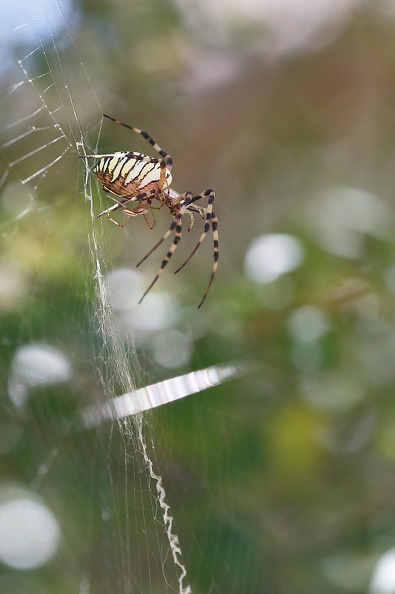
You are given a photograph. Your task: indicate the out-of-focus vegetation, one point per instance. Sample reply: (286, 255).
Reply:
(281, 481)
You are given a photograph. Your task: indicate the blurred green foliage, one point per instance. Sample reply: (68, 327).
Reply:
(281, 481)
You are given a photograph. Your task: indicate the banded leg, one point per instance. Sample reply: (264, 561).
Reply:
(167, 158)
(123, 203)
(214, 227)
(140, 209)
(178, 202)
(177, 225)
(210, 220)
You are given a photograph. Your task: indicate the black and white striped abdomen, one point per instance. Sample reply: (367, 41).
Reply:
(129, 173)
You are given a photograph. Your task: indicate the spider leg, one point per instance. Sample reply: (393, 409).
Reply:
(177, 201)
(140, 209)
(155, 145)
(208, 216)
(177, 215)
(122, 203)
(177, 225)
(210, 221)
(214, 227)
(192, 220)
(149, 224)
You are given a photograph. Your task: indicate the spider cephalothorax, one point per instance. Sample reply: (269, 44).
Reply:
(133, 180)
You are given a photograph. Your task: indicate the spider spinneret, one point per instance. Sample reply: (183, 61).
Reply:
(133, 180)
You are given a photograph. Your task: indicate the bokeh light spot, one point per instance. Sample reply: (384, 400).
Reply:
(36, 365)
(172, 349)
(383, 579)
(308, 323)
(29, 533)
(271, 256)
(340, 217)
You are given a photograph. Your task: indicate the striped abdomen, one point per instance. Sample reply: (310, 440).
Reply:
(123, 175)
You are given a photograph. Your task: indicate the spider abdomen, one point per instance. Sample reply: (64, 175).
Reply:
(124, 175)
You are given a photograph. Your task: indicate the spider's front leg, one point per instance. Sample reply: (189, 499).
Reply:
(143, 196)
(140, 209)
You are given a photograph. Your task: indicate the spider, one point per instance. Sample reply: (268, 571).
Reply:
(133, 180)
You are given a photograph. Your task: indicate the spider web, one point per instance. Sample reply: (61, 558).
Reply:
(71, 366)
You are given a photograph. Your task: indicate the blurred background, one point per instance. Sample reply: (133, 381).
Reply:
(281, 481)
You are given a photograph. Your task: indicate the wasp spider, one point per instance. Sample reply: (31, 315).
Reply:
(134, 180)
